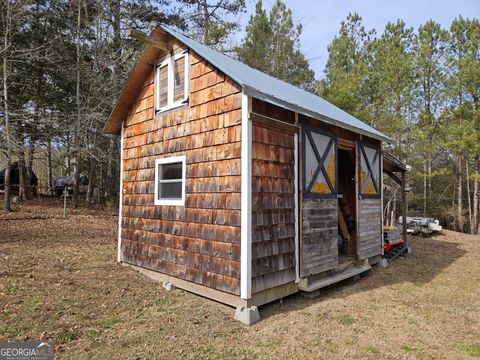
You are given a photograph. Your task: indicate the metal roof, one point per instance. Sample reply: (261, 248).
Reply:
(268, 88)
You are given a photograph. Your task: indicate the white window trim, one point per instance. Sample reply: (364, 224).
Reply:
(169, 160)
(169, 62)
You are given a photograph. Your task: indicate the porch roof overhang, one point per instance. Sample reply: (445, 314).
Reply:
(393, 165)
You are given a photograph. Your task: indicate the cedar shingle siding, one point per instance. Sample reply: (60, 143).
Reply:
(199, 242)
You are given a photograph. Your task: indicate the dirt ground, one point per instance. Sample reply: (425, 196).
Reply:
(59, 281)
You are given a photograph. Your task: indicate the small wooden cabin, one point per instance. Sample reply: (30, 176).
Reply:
(238, 186)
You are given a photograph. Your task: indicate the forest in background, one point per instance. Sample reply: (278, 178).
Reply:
(63, 65)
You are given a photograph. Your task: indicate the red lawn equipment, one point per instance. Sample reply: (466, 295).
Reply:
(394, 246)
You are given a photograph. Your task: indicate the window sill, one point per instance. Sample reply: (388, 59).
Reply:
(170, 202)
(171, 108)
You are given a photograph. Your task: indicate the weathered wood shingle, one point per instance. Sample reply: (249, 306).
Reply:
(199, 242)
(273, 208)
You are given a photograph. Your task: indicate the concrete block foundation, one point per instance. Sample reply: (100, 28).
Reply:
(247, 315)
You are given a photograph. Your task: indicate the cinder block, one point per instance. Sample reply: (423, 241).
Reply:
(168, 286)
(247, 315)
(383, 263)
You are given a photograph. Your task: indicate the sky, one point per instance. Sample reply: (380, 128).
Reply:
(321, 18)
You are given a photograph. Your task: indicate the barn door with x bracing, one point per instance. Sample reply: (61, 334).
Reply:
(320, 154)
(369, 167)
(319, 203)
(370, 202)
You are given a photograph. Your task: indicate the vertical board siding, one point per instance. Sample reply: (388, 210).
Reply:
(273, 208)
(198, 242)
(319, 235)
(369, 228)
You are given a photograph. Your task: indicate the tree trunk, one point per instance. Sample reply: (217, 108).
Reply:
(69, 156)
(30, 157)
(469, 200)
(92, 167)
(206, 21)
(475, 225)
(429, 180)
(6, 197)
(460, 195)
(22, 170)
(425, 188)
(49, 167)
(111, 186)
(454, 192)
(394, 209)
(76, 141)
(76, 179)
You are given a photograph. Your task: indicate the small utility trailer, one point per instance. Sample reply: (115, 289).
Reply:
(421, 225)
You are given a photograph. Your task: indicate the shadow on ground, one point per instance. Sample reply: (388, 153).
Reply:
(429, 257)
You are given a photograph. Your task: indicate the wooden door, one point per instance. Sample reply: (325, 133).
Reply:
(319, 251)
(369, 213)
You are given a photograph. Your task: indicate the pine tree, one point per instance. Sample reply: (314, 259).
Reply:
(346, 68)
(257, 40)
(393, 62)
(212, 22)
(430, 76)
(464, 94)
(272, 45)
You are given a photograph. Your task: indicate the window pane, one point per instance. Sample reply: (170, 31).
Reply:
(179, 79)
(320, 186)
(330, 165)
(321, 142)
(311, 162)
(363, 173)
(367, 186)
(374, 165)
(163, 86)
(171, 171)
(172, 190)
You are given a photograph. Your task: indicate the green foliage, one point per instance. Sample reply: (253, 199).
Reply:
(347, 320)
(346, 69)
(409, 349)
(272, 45)
(212, 22)
(470, 349)
(422, 88)
(258, 34)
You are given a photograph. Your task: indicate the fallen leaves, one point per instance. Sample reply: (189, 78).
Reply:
(60, 281)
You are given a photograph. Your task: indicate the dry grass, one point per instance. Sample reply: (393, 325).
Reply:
(59, 280)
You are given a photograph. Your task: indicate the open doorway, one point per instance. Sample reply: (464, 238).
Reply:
(346, 205)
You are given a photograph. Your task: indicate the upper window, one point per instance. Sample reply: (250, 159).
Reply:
(369, 167)
(319, 167)
(171, 81)
(170, 181)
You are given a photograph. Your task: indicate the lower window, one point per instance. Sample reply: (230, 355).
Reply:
(170, 181)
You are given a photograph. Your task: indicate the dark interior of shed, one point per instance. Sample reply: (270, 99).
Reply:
(346, 205)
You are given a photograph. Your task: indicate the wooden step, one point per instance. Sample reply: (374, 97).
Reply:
(344, 262)
(349, 272)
